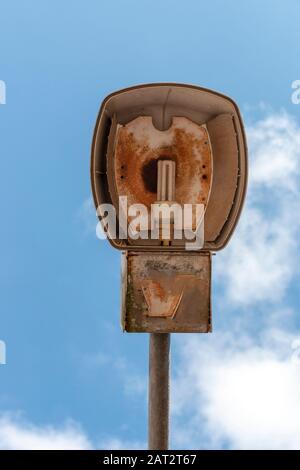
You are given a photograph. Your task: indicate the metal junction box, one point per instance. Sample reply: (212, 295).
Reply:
(166, 292)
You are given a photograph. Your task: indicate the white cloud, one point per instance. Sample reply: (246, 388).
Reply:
(238, 393)
(17, 434)
(239, 388)
(261, 259)
(119, 444)
(274, 145)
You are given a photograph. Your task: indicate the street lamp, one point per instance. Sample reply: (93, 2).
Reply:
(171, 160)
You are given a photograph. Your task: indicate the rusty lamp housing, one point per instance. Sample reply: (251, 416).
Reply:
(166, 288)
(162, 102)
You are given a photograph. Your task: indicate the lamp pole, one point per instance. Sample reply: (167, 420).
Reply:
(158, 405)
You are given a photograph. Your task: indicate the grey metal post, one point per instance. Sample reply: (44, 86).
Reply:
(158, 406)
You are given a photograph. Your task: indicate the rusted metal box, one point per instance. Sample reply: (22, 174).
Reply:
(166, 292)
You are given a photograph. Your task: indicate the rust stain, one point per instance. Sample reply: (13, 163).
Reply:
(138, 148)
(160, 301)
(185, 144)
(130, 155)
(164, 295)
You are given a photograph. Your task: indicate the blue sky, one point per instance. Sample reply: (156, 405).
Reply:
(71, 375)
